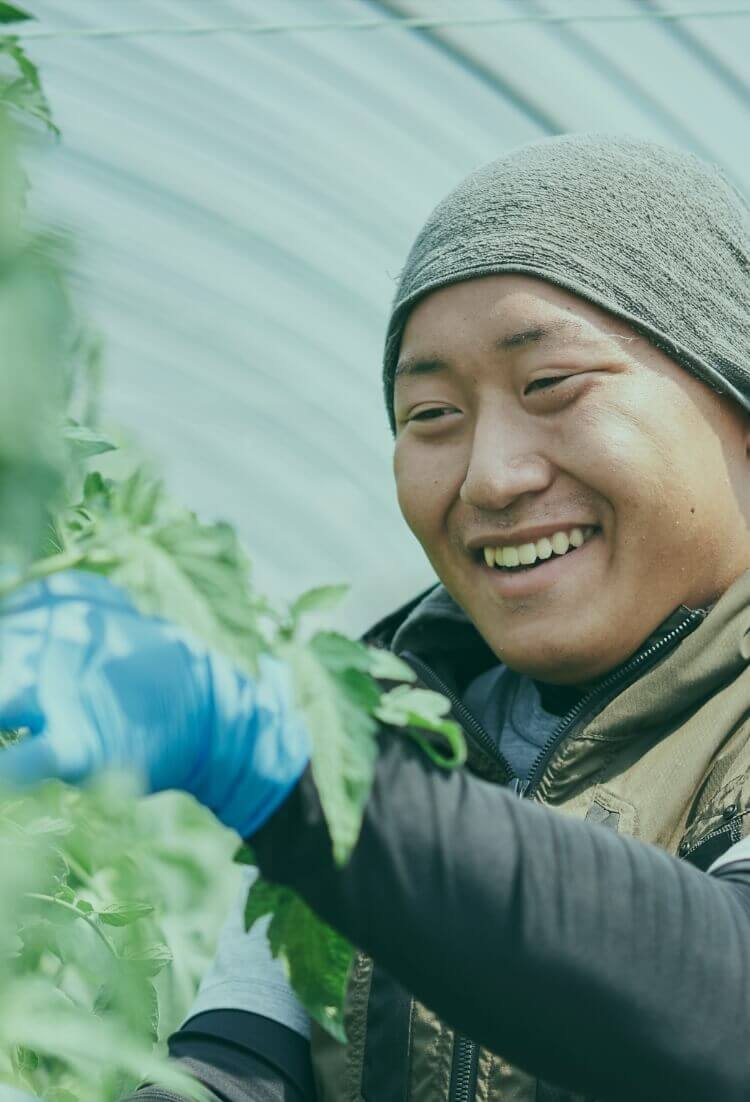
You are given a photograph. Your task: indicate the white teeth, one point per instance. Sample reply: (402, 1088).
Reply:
(510, 556)
(543, 548)
(526, 554)
(560, 543)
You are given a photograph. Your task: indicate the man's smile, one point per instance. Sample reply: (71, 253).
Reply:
(529, 547)
(521, 571)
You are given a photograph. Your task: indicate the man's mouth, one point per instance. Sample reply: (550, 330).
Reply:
(524, 557)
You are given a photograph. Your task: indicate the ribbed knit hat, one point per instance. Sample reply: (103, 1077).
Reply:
(654, 235)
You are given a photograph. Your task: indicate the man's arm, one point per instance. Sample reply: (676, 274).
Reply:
(247, 1035)
(240, 1057)
(244, 976)
(591, 959)
(595, 961)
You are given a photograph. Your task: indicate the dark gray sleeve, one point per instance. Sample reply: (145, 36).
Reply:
(240, 1057)
(595, 961)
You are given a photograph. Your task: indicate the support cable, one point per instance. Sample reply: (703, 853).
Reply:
(410, 23)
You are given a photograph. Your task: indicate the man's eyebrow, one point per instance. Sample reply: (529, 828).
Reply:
(535, 334)
(413, 365)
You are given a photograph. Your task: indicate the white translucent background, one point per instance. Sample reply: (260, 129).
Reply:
(245, 203)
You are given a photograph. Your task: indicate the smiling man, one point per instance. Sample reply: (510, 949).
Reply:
(564, 475)
(567, 375)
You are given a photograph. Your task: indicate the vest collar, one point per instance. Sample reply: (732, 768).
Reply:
(434, 627)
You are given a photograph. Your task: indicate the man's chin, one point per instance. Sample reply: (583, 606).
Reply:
(552, 660)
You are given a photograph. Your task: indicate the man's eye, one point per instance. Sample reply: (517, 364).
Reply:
(429, 414)
(545, 383)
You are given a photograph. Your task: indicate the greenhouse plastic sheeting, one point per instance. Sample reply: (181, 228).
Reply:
(244, 203)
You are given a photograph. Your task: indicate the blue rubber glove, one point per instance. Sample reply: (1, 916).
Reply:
(103, 687)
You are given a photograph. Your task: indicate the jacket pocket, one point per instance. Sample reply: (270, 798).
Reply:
(704, 852)
(725, 821)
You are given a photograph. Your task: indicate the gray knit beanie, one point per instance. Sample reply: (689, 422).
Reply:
(654, 235)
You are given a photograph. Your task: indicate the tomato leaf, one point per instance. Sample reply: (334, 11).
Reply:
(321, 599)
(339, 653)
(386, 666)
(315, 958)
(123, 913)
(9, 13)
(194, 574)
(85, 442)
(25, 92)
(336, 705)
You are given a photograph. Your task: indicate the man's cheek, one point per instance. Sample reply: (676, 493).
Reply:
(416, 512)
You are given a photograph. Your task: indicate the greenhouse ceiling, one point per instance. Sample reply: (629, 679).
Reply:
(244, 196)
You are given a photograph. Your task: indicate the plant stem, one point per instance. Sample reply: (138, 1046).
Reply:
(77, 913)
(53, 564)
(79, 870)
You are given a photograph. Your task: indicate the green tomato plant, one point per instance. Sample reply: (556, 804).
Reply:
(111, 902)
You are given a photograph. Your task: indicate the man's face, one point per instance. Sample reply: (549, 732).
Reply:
(527, 416)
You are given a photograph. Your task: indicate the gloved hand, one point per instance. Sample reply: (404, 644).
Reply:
(102, 686)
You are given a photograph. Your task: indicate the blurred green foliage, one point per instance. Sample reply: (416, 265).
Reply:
(111, 904)
(101, 892)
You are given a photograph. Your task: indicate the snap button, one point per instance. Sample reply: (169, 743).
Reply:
(684, 847)
(730, 811)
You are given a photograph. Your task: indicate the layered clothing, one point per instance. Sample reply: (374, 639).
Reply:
(543, 933)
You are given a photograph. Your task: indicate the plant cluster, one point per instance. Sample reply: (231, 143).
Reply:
(111, 903)
(95, 925)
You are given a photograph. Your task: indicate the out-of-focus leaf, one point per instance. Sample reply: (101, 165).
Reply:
(46, 824)
(56, 1028)
(321, 599)
(150, 961)
(399, 704)
(386, 666)
(175, 566)
(85, 442)
(129, 995)
(244, 855)
(32, 463)
(9, 13)
(418, 711)
(36, 321)
(26, 1059)
(124, 913)
(339, 653)
(24, 92)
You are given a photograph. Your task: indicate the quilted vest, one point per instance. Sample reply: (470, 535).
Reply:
(665, 759)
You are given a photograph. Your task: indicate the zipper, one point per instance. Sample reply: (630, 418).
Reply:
(464, 1068)
(692, 854)
(465, 1064)
(689, 851)
(467, 720)
(601, 691)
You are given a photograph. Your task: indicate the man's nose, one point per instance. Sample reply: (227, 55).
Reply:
(499, 471)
